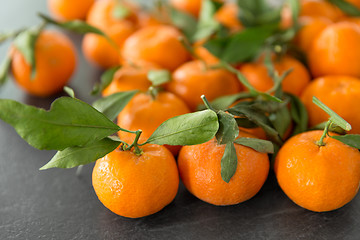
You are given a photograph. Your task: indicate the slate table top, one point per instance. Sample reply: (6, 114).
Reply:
(57, 204)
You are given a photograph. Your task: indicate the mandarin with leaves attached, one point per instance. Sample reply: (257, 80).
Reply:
(55, 58)
(340, 93)
(258, 76)
(147, 112)
(200, 171)
(133, 185)
(318, 178)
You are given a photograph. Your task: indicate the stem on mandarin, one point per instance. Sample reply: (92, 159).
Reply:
(326, 130)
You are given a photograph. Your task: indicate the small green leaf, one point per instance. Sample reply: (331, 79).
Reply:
(332, 128)
(159, 77)
(225, 101)
(77, 26)
(281, 120)
(229, 162)
(334, 117)
(4, 69)
(207, 24)
(353, 140)
(299, 114)
(76, 156)
(106, 78)
(228, 128)
(258, 145)
(25, 43)
(69, 91)
(113, 104)
(346, 7)
(259, 12)
(69, 122)
(188, 129)
(120, 11)
(245, 123)
(185, 22)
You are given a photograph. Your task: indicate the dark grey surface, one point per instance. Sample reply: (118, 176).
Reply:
(55, 204)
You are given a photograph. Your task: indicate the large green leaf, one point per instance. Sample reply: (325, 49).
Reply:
(184, 22)
(188, 129)
(228, 128)
(69, 122)
(112, 105)
(76, 156)
(348, 8)
(229, 162)
(105, 80)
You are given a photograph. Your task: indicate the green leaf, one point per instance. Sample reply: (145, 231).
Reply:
(332, 128)
(229, 162)
(69, 122)
(258, 145)
(353, 140)
(185, 22)
(259, 118)
(25, 44)
(77, 26)
(258, 12)
(241, 46)
(105, 80)
(76, 156)
(281, 120)
(225, 101)
(245, 123)
(159, 77)
(334, 117)
(120, 11)
(228, 128)
(113, 104)
(69, 91)
(207, 24)
(4, 69)
(188, 129)
(298, 113)
(346, 7)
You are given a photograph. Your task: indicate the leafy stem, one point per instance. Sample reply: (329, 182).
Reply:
(207, 104)
(326, 130)
(135, 144)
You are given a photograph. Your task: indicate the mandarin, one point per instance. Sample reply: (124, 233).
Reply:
(69, 9)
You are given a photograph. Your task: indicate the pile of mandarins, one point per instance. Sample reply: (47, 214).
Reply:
(321, 59)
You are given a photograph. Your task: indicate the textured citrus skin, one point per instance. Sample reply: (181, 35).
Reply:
(145, 113)
(136, 186)
(340, 93)
(320, 8)
(200, 171)
(100, 51)
(191, 80)
(189, 6)
(157, 44)
(69, 9)
(335, 51)
(55, 58)
(294, 83)
(311, 27)
(318, 178)
(130, 78)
